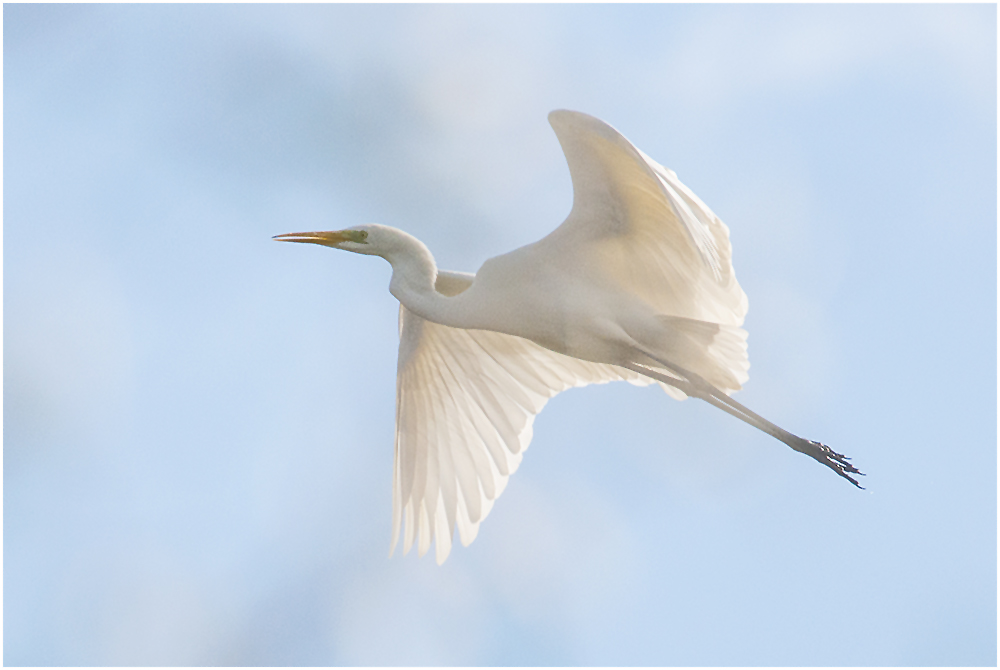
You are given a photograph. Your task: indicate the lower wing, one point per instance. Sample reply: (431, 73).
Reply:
(465, 404)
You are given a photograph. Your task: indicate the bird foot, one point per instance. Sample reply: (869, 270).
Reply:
(828, 457)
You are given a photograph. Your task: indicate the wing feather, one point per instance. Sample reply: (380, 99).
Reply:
(647, 231)
(465, 404)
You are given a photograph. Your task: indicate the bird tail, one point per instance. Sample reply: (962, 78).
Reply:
(716, 352)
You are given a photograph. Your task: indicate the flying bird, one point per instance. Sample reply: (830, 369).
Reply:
(637, 284)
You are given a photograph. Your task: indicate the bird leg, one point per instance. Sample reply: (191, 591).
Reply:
(698, 387)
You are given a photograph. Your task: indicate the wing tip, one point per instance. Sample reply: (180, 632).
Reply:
(559, 115)
(567, 119)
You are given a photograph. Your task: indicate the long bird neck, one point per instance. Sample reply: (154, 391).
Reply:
(414, 274)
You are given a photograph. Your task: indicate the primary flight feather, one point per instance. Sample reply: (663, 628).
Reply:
(637, 284)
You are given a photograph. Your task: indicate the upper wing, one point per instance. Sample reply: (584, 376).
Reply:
(465, 402)
(642, 228)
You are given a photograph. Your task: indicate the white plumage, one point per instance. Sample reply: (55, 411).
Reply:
(637, 284)
(465, 403)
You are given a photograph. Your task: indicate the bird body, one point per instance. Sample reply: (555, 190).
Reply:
(521, 294)
(637, 284)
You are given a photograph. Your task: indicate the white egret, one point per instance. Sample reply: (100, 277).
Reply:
(637, 284)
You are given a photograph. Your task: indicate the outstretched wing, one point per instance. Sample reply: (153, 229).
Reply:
(465, 403)
(642, 228)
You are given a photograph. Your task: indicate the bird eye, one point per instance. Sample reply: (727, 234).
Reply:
(364, 234)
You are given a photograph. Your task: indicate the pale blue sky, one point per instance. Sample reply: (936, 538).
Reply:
(198, 421)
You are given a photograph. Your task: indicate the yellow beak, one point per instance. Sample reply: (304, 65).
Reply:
(327, 239)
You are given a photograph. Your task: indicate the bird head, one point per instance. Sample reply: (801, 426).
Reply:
(403, 251)
(359, 239)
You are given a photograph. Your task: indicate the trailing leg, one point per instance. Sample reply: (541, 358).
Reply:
(697, 387)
